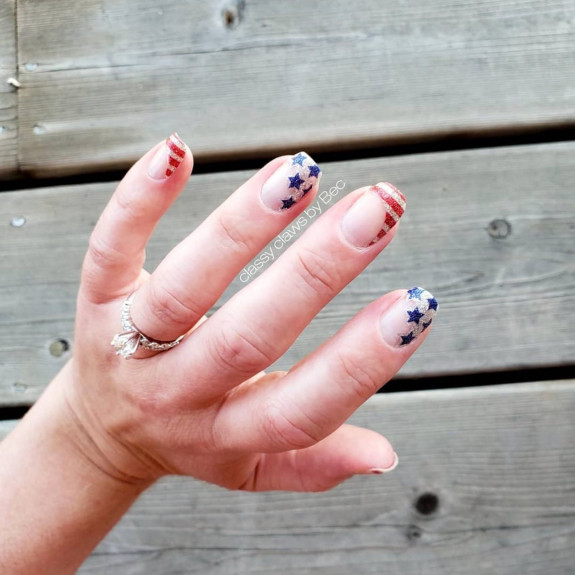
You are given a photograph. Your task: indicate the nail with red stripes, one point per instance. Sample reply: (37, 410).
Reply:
(373, 215)
(168, 158)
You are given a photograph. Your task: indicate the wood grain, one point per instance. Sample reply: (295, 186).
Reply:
(105, 80)
(6, 427)
(504, 303)
(500, 461)
(8, 96)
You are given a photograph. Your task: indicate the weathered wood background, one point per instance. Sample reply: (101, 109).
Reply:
(102, 81)
(497, 461)
(8, 96)
(490, 231)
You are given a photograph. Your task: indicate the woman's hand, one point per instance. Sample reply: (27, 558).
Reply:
(206, 408)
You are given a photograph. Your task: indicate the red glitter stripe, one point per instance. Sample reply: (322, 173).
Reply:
(174, 162)
(175, 148)
(390, 221)
(390, 201)
(396, 190)
(382, 233)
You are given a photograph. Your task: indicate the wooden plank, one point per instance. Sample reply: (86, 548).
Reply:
(500, 461)
(8, 95)
(282, 76)
(504, 303)
(6, 427)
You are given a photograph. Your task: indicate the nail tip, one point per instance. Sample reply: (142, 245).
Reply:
(390, 187)
(382, 471)
(410, 316)
(297, 177)
(421, 293)
(167, 158)
(395, 206)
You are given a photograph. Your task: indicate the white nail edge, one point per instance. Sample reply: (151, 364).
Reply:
(380, 471)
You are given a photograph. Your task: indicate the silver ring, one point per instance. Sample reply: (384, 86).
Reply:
(127, 342)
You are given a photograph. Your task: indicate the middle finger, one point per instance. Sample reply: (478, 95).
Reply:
(260, 322)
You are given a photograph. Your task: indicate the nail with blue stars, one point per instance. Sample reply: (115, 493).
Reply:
(291, 182)
(422, 307)
(409, 317)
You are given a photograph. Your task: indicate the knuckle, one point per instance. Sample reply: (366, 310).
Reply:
(131, 207)
(318, 273)
(170, 309)
(282, 433)
(356, 377)
(102, 254)
(240, 352)
(235, 233)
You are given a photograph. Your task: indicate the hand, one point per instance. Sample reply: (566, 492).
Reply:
(205, 408)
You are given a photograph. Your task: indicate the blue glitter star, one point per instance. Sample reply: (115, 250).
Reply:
(432, 303)
(426, 325)
(415, 293)
(306, 190)
(414, 316)
(314, 171)
(287, 203)
(405, 339)
(295, 182)
(299, 159)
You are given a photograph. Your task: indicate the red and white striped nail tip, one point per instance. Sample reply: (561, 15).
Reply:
(176, 153)
(395, 206)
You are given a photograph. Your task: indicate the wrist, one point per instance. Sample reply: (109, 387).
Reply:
(58, 493)
(92, 451)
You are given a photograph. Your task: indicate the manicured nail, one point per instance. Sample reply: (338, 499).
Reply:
(380, 471)
(167, 158)
(409, 317)
(296, 178)
(372, 216)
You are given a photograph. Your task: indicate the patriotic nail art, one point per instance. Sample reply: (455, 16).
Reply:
(176, 152)
(395, 206)
(291, 182)
(409, 317)
(167, 158)
(373, 215)
(421, 310)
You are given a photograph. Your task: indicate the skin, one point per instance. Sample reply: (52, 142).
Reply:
(106, 429)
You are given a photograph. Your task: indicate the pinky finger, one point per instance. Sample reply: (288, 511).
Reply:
(348, 451)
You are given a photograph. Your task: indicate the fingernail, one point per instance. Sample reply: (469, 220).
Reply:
(372, 216)
(167, 158)
(380, 471)
(408, 318)
(297, 177)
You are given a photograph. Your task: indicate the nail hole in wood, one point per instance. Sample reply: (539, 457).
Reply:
(38, 129)
(427, 503)
(59, 347)
(499, 229)
(19, 387)
(232, 14)
(229, 18)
